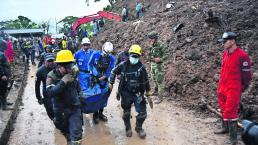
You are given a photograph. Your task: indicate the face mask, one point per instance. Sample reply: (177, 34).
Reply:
(133, 60)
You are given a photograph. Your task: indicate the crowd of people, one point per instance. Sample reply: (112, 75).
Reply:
(78, 79)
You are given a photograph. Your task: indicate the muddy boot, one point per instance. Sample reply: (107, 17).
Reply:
(223, 129)
(138, 128)
(102, 117)
(96, 118)
(128, 128)
(232, 126)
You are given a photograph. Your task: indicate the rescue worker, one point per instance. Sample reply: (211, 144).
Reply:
(101, 24)
(157, 55)
(82, 58)
(123, 55)
(33, 51)
(9, 53)
(64, 43)
(25, 48)
(235, 77)
(41, 77)
(100, 65)
(5, 74)
(124, 14)
(65, 90)
(133, 84)
(48, 50)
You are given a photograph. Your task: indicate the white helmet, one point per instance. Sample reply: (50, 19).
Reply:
(108, 47)
(85, 40)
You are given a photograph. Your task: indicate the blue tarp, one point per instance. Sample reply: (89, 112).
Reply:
(94, 99)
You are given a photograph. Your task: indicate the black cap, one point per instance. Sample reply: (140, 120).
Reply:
(49, 56)
(227, 36)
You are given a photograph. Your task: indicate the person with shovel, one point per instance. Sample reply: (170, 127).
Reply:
(132, 86)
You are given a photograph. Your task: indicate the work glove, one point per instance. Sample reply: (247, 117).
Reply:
(150, 102)
(67, 78)
(110, 87)
(148, 93)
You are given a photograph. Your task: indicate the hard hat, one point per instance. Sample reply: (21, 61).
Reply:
(64, 56)
(153, 35)
(227, 36)
(135, 49)
(85, 40)
(108, 47)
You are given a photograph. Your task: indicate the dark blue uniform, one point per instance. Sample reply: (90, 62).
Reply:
(66, 104)
(41, 77)
(134, 82)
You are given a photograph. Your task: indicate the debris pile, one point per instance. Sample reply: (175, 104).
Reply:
(191, 29)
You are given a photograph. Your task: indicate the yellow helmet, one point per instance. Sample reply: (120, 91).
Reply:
(64, 56)
(136, 49)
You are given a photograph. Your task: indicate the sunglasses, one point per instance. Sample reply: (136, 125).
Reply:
(86, 44)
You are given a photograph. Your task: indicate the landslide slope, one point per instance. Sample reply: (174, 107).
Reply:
(192, 70)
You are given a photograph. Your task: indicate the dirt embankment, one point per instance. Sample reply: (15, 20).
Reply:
(18, 81)
(192, 70)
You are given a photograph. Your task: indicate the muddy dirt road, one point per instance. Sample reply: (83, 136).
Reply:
(165, 125)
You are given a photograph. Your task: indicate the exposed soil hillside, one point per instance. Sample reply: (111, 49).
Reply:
(192, 70)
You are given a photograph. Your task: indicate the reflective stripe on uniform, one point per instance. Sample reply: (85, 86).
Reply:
(52, 85)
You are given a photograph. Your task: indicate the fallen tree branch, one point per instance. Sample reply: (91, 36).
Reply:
(209, 107)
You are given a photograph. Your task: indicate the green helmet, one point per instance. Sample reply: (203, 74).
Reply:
(153, 35)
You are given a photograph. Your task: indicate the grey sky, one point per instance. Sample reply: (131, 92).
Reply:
(39, 10)
(43, 10)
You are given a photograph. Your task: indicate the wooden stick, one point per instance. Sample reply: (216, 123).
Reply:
(219, 114)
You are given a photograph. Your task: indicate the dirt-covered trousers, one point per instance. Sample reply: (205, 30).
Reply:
(3, 88)
(128, 98)
(68, 120)
(229, 103)
(157, 74)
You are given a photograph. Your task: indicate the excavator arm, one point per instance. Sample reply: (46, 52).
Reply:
(100, 14)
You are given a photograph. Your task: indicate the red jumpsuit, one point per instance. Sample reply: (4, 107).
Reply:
(235, 76)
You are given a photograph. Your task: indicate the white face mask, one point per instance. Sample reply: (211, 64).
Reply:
(133, 60)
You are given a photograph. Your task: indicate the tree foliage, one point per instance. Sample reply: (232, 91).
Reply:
(21, 22)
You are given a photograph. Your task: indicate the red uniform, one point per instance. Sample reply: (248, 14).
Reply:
(235, 76)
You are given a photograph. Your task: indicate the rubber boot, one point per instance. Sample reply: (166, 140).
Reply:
(95, 117)
(128, 128)
(138, 128)
(223, 129)
(102, 117)
(232, 126)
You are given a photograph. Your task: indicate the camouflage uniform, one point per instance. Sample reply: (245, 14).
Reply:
(157, 69)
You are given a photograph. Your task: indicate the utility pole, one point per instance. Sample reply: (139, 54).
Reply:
(56, 25)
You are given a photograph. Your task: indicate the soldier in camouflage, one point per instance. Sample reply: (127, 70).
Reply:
(158, 53)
